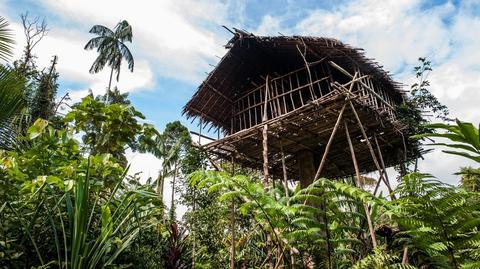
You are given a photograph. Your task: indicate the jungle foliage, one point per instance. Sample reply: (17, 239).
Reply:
(68, 200)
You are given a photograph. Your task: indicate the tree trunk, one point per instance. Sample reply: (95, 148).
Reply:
(193, 232)
(109, 84)
(160, 186)
(172, 204)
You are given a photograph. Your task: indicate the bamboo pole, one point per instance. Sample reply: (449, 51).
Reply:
(329, 143)
(297, 89)
(232, 225)
(265, 136)
(372, 152)
(382, 163)
(284, 169)
(310, 85)
(405, 256)
(334, 131)
(345, 72)
(359, 183)
(285, 182)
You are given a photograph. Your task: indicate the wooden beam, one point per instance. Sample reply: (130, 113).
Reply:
(330, 140)
(329, 143)
(265, 136)
(359, 183)
(382, 163)
(345, 72)
(372, 152)
(218, 92)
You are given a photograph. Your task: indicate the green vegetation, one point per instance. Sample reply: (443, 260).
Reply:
(67, 202)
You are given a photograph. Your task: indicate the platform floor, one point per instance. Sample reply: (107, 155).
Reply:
(309, 128)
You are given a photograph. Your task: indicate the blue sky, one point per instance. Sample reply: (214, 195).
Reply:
(176, 43)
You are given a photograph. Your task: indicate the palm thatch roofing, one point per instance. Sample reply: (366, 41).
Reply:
(251, 58)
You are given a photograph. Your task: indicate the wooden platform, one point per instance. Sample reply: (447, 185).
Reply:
(282, 96)
(309, 128)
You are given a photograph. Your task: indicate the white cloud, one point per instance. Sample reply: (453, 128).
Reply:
(393, 32)
(268, 26)
(148, 166)
(168, 33)
(145, 163)
(396, 33)
(74, 62)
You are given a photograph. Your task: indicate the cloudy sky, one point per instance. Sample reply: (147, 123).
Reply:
(175, 43)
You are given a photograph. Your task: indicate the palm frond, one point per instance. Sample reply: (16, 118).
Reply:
(98, 64)
(12, 99)
(127, 55)
(6, 40)
(101, 30)
(95, 42)
(123, 31)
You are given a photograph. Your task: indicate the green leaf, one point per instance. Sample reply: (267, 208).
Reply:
(107, 224)
(37, 128)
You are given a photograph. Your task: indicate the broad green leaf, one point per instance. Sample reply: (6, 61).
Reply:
(37, 128)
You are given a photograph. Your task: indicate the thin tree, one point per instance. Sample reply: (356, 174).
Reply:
(34, 30)
(111, 48)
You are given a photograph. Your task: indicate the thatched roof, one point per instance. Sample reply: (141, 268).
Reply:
(251, 58)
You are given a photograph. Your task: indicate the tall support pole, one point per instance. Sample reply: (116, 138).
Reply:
(284, 170)
(382, 163)
(372, 152)
(285, 183)
(335, 128)
(265, 135)
(232, 225)
(265, 149)
(359, 183)
(200, 132)
(329, 143)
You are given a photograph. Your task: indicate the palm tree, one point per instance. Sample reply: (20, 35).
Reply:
(12, 98)
(6, 39)
(111, 48)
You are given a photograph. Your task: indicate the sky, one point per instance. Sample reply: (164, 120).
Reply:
(177, 43)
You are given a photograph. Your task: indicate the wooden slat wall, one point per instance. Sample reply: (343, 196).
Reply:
(291, 91)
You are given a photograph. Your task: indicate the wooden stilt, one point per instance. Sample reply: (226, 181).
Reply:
(372, 152)
(329, 143)
(405, 256)
(287, 195)
(265, 136)
(200, 132)
(359, 183)
(284, 170)
(330, 140)
(382, 163)
(265, 155)
(232, 225)
(377, 185)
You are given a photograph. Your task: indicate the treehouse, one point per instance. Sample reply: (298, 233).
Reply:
(298, 108)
